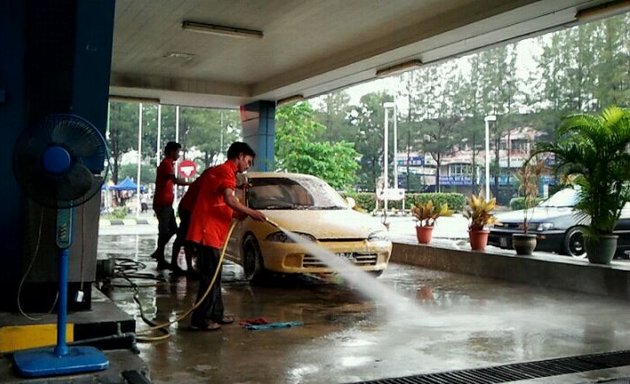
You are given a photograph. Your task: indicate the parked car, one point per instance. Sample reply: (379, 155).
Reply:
(558, 226)
(308, 206)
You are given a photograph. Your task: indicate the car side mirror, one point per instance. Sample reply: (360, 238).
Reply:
(351, 202)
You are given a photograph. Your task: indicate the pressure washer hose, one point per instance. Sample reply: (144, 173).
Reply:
(162, 326)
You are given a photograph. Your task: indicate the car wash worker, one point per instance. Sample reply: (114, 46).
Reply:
(214, 208)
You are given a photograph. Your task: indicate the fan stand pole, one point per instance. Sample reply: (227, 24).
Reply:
(62, 359)
(61, 349)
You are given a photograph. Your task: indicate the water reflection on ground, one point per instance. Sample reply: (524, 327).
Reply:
(446, 322)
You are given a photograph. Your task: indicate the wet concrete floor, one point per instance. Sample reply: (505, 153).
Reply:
(432, 321)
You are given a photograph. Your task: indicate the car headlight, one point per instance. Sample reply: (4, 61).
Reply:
(379, 236)
(281, 237)
(544, 227)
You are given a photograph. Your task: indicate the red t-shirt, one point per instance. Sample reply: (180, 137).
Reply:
(164, 183)
(211, 217)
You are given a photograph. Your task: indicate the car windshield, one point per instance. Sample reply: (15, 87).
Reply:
(293, 193)
(564, 198)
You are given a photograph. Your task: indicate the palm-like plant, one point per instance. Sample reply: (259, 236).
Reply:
(595, 150)
(427, 213)
(479, 211)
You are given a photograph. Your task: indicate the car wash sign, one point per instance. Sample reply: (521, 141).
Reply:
(187, 169)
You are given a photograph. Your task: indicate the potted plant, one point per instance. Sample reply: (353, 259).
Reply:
(528, 175)
(479, 211)
(594, 149)
(427, 214)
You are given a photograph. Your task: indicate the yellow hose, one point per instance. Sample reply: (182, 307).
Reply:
(185, 314)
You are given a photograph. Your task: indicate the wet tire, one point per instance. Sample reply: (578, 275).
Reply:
(377, 273)
(253, 266)
(573, 243)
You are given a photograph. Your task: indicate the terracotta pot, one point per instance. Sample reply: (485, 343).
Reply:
(424, 234)
(478, 239)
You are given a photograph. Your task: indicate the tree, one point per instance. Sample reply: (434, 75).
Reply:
(332, 112)
(122, 135)
(368, 117)
(297, 150)
(209, 131)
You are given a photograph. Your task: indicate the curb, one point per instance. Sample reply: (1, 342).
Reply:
(115, 222)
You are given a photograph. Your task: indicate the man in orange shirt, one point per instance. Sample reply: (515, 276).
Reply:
(165, 180)
(214, 208)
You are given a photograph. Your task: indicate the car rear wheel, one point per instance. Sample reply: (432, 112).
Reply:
(253, 266)
(573, 244)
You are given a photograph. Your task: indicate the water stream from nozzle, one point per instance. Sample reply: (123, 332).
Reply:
(357, 278)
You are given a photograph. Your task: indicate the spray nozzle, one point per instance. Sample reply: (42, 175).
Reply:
(273, 223)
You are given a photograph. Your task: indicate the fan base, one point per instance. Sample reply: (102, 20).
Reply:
(44, 362)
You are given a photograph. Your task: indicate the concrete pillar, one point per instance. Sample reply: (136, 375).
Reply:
(259, 131)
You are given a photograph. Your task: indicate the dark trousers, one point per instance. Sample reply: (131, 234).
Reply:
(211, 308)
(167, 227)
(180, 240)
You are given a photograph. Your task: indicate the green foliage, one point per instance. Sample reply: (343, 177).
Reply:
(369, 118)
(455, 201)
(518, 203)
(427, 213)
(210, 131)
(147, 175)
(297, 151)
(594, 151)
(479, 211)
(117, 213)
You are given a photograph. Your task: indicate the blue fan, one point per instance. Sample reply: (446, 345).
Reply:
(61, 165)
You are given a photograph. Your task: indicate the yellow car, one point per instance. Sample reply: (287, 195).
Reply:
(312, 209)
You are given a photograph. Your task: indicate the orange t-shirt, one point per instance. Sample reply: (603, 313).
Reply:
(211, 217)
(164, 183)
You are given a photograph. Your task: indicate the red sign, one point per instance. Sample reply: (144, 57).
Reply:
(187, 169)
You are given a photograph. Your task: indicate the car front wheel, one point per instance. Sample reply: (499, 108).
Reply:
(253, 267)
(573, 244)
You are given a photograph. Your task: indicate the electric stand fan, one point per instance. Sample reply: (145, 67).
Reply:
(61, 165)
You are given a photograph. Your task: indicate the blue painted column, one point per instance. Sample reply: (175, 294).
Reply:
(259, 131)
(54, 58)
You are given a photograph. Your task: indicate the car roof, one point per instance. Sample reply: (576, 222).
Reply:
(287, 175)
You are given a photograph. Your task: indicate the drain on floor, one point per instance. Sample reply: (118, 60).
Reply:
(518, 371)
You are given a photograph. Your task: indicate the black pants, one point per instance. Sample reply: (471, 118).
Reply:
(167, 227)
(180, 240)
(211, 309)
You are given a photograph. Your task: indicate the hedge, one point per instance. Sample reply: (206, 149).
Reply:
(519, 202)
(367, 200)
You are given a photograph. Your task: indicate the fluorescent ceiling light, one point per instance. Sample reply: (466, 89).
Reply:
(604, 10)
(290, 99)
(179, 55)
(399, 68)
(221, 30)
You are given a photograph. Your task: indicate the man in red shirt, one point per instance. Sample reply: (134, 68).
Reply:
(165, 180)
(214, 208)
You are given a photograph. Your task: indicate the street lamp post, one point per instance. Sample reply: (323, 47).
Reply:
(387, 105)
(488, 119)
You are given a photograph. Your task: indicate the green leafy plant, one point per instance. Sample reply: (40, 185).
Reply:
(479, 211)
(593, 151)
(427, 213)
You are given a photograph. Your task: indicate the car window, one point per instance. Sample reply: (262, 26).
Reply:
(564, 198)
(292, 193)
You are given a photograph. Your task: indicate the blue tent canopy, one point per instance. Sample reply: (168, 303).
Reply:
(125, 185)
